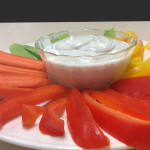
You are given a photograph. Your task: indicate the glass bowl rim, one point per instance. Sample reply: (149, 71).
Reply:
(134, 44)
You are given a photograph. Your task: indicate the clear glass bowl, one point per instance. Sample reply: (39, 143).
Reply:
(85, 71)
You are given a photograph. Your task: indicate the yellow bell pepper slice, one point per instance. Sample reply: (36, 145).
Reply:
(131, 33)
(128, 35)
(138, 50)
(136, 71)
(141, 45)
(118, 38)
(136, 59)
(135, 64)
(147, 46)
(145, 72)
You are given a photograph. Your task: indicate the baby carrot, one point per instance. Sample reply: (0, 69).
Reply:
(17, 70)
(22, 81)
(22, 62)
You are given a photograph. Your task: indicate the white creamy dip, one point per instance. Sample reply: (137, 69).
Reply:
(86, 44)
(86, 61)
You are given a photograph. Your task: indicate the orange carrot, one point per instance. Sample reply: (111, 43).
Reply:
(22, 62)
(8, 91)
(22, 81)
(17, 70)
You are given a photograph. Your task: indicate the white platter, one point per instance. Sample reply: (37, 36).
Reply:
(14, 132)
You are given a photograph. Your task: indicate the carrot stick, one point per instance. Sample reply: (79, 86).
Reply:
(22, 81)
(10, 69)
(19, 61)
(8, 91)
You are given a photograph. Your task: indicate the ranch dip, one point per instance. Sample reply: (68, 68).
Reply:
(86, 44)
(86, 61)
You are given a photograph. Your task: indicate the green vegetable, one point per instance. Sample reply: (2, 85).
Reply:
(54, 40)
(20, 51)
(25, 51)
(33, 51)
(63, 36)
(110, 33)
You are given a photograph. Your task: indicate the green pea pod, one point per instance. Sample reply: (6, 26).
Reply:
(33, 51)
(110, 33)
(20, 51)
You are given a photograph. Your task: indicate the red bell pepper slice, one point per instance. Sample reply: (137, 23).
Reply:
(50, 123)
(31, 113)
(123, 103)
(8, 91)
(129, 130)
(137, 87)
(12, 105)
(82, 127)
(127, 99)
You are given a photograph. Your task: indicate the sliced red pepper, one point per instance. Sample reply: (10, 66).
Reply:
(31, 113)
(129, 130)
(50, 123)
(8, 91)
(138, 87)
(145, 104)
(123, 103)
(12, 105)
(82, 127)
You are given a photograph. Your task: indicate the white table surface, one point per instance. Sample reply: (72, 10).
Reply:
(24, 33)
